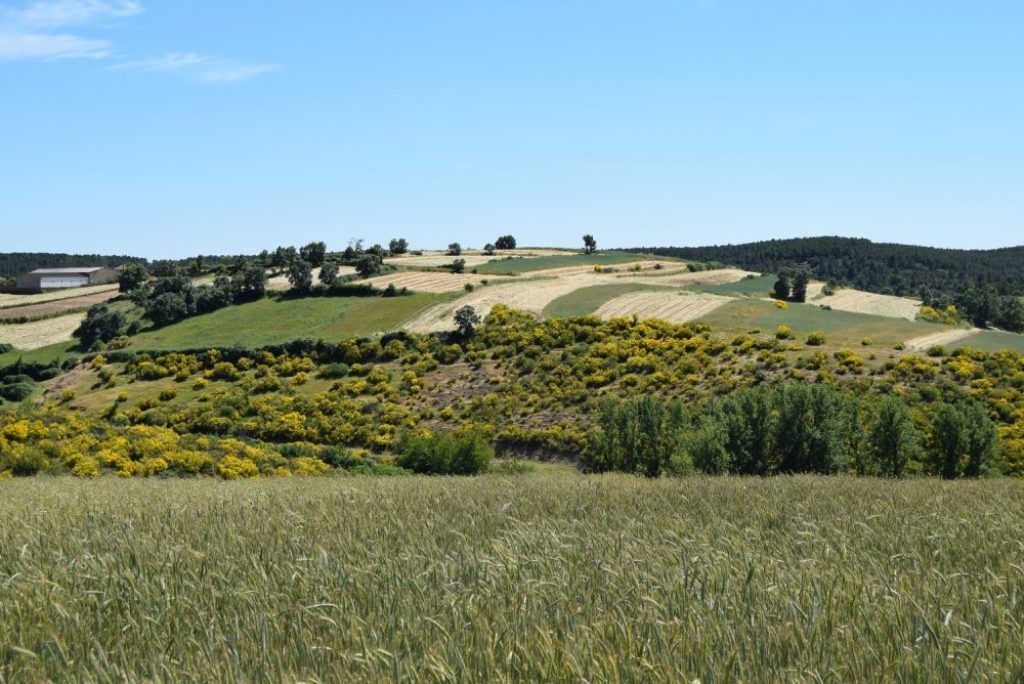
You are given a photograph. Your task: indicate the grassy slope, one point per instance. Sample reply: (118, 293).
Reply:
(525, 265)
(547, 576)
(271, 321)
(992, 341)
(53, 352)
(587, 300)
(841, 327)
(749, 287)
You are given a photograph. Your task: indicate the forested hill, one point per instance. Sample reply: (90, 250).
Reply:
(878, 267)
(13, 264)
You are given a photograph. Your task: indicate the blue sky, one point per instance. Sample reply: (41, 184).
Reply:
(169, 128)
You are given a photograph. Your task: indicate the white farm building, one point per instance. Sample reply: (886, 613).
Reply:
(43, 279)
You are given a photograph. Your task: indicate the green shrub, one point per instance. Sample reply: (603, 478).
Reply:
(335, 371)
(18, 391)
(466, 453)
(816, 339)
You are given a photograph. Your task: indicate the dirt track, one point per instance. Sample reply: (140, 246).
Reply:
(941, 338)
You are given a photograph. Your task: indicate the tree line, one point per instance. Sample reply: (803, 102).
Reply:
(877, 267)
(13, 264)
(794, 428)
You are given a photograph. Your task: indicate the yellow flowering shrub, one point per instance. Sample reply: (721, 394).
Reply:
(233, 468)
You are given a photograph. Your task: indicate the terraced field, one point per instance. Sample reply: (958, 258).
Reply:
(719, 277)
(19, 300)
(437, 260)
(586, 300)
(529, 295)
(516, 266)
(427, 281)
(57, 305)
(856, 301)
(40, 333)
(673, 307)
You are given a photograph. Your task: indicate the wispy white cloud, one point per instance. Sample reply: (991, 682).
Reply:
(61, 13)
(50, 47)
(42, 31)
(206, 69)
(34, 31)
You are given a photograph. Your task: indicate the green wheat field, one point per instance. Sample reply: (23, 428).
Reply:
(545, 576)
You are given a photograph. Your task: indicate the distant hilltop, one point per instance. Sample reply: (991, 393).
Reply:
(905, 270)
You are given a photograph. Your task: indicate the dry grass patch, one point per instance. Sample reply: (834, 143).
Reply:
(436, 260)
(672, 307)
(856, 301)
(41, 333)
(427, 281)
(719, 276)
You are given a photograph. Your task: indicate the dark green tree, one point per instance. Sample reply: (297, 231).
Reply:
(782, 286)
(368, 265)
(801, 277)
(892, 441)
(505, 242)
(100, 325)
(328, 273)
(466, 320)
(132, 278)
(589, 244)
(167, 308)
(300, 276)
(313, 253)
(251, 281)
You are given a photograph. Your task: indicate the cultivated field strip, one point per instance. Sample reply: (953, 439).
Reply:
(529, 295)
(40, 333)
(856, 301)
(611, 271)
(719, 276)
(672, 307)
(941, 339)
(427, 281)
(435, 260)
(19, 300)
(57, 305)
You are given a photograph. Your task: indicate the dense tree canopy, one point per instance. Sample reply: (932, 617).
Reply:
(13, 264)
(876, 267)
